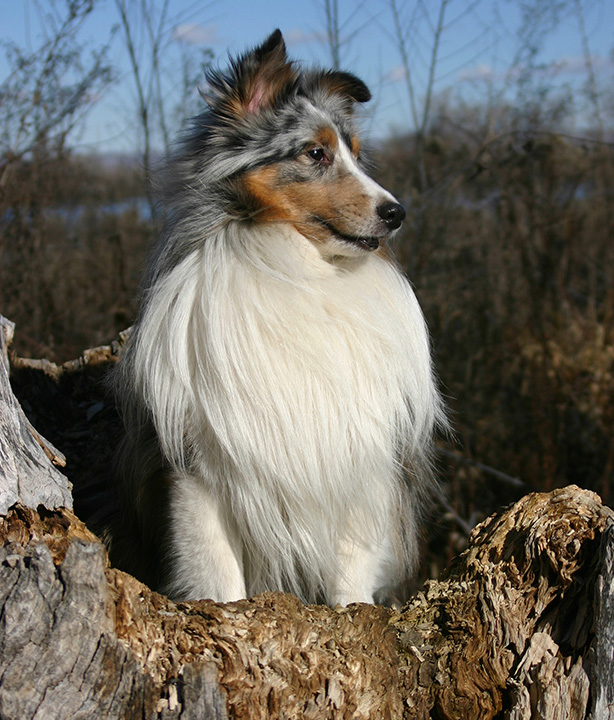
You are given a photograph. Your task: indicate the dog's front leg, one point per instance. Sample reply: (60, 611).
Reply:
(205, 557)
(361, 564)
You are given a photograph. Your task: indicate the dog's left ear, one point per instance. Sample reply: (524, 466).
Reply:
(261, 76)
(337, 82)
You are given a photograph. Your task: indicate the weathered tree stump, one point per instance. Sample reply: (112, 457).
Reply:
(521, 626)
(26, 474)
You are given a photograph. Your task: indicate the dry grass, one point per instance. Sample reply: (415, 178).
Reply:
(69, 269)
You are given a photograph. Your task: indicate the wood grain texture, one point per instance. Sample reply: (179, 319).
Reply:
(26, 473)
(515, 616)
(601, 652)
(513, 630)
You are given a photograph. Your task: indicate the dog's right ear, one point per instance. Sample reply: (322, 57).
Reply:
(342, 83)
(256, 80)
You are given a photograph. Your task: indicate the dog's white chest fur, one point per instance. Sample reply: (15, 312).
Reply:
(289, 390)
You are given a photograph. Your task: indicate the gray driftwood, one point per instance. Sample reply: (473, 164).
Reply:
(26, 473)
(521, 626)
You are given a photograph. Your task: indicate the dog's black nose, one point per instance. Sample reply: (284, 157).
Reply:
(392, 214)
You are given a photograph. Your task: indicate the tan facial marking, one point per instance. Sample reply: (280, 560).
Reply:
(327, 138)
(263, 186)
(355, 146)
(339, 201)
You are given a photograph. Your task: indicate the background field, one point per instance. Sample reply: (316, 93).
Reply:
(509, 243)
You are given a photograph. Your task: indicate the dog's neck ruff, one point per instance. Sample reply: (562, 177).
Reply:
(303, 379)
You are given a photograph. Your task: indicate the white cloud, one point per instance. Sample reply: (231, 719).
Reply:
(194, 34)
(396, 74)
(576, 65)
(298, 36)
(572, 65)
(477, 72)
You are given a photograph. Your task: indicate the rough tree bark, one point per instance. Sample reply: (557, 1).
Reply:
(521, 626)
(26, 474)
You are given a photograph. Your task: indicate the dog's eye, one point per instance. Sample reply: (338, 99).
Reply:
(318, 155)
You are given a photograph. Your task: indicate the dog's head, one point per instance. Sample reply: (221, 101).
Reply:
(287, 151)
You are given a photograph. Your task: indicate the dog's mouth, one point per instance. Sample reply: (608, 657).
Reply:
(368, 243)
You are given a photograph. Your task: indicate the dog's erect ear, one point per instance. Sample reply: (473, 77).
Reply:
(337, 82)
(257, 79)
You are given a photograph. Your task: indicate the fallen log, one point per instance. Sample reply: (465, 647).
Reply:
(520, 626)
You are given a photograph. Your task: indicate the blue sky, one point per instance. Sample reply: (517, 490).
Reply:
(478, 45)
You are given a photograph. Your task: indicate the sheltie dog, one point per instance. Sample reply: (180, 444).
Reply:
(277, 389)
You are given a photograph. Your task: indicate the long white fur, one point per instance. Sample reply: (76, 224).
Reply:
(286, 389)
